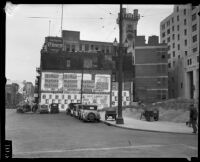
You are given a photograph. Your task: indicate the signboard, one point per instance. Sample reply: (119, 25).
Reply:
(88, 85)
(52, 81)
(102, 83)
(54, 43)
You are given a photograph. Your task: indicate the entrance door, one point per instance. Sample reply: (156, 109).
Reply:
(191, 88)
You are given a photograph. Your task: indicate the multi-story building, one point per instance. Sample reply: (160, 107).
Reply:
(11, 96)
(74, 70)
(180, 30)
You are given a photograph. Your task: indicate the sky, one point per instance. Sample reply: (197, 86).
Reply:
(27, 25)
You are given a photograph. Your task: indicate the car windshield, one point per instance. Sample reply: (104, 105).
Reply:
(88, 107)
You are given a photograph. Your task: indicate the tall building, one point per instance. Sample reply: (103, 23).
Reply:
(180, 30)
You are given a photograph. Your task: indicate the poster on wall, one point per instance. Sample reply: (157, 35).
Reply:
(102, 83)
(71, 82)
(101, 100)
(52, 81)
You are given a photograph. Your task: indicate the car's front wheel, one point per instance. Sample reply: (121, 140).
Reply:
(91, 117)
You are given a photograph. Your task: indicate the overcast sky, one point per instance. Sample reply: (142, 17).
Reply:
(28, 25)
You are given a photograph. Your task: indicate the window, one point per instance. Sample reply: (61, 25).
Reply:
(194, 27)
(163, 41)
(173, 63)
(177, 27)
(47, 101)
(178, 18)
(96, 48)
(80, 47)
(197, 58)
(185, 22)
(68, 63)
(50, 96)
(186, 42)
(92, 47)
(73, 48)
(178, 37)
(56, 96)
(194, 17)
(163, 56)
(173, 45)
(44, 96)
(178, 46)
(173, 36)
(194, 38)
(168, 39)
(113, 77)
(87, 47)
(163, 34)
(181, 84)
(188, 62)
(169, 47)
(172, 20)
(163, 26)
(169, 56)
(177, 8)
(169, 65)
(179, 56)
(185, 53)
(53, 100)
(173, 53)
(168, 31)
(168, 23)
(172, 28)
(67, 47)
(194, 50)
(184, 11)
(185, 32)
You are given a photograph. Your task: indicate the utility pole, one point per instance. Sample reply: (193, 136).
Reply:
(119, 119)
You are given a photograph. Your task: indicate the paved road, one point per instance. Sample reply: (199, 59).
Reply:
(58, 135)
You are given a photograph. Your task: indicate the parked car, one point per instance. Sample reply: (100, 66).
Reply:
(43, 108)
(89, 113)
(54, 108)
(23, 107)
(76, 110)
(70, 108)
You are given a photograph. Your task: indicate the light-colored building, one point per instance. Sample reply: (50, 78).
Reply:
(180, 30)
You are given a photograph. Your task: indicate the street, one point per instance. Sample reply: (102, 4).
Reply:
(59, 135)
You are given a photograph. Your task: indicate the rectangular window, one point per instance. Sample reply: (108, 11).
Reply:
(173, 63)
(184, 11)
(168, 31)
(169, 56)
(68, 63)
(194, 17)
(173, 53)
(186, 42)
(172, 20)
(194, 27)
(177, 27)
(80, 47)
(178, 46)
(47, 101)
(169, 65)
(168, 39)
(56, 96)
(173, 45)
(50, 96)
(178, 37)
(185, 22)
(194, 38)
(92, 47)
(87, 47)
(181, 84)
(172, 28)
(179, 56)
(185, 53)
(173, 36)
(163, 34)
(190, 61)
(168, 23)
(177, 8)
(185, 32)
(44, 96)
(73, 48)
(169, 47)
(178, 18)
(194, 50)
(163, 26)
(67, 47)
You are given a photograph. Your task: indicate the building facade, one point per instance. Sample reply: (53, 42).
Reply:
(74, 70)
(180, 30)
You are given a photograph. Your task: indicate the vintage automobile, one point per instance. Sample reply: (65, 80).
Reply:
(54, 108)
(70, 109)
(150, 115)
(23, 107)
(110, 113)
(43, 108)
(89, 113)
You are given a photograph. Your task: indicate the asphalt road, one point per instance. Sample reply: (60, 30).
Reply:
(59, 135)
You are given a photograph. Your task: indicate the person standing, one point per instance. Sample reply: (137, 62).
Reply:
(193, 118)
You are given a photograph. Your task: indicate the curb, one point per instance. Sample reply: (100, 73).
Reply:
(110, 124)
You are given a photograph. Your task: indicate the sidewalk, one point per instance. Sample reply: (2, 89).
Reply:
(156, 126)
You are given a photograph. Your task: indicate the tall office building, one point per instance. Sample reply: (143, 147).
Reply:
(180, 30)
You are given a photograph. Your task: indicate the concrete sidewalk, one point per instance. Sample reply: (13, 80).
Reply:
(155, 126)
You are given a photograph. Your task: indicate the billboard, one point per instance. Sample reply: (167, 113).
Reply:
(54, 44)
(102, 83)
(52, 81)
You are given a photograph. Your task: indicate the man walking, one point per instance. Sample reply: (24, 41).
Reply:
(193, 118)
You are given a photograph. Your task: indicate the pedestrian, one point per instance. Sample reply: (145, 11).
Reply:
(193, 118)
